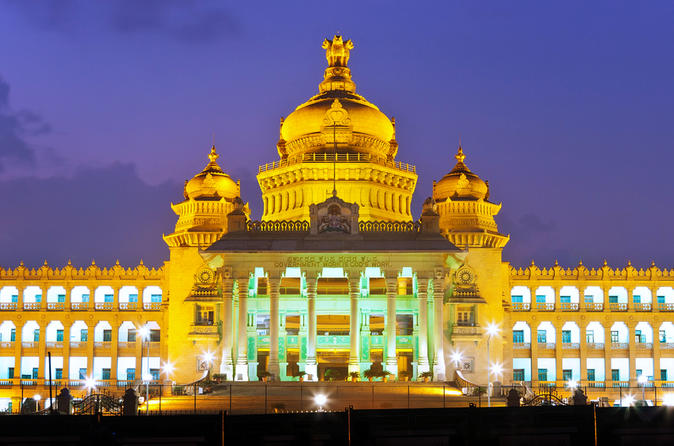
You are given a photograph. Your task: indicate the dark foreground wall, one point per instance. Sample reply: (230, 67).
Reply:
(548, 426)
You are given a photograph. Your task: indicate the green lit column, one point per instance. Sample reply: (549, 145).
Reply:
(227, 365)
(391, 357)
(311, 367)
(439, 331)
(422, 299)
(274, 325)
(354, 329)
(242, 337)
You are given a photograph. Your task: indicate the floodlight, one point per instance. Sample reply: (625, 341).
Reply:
(37, 397)
(320, 399)
(668, 399)
(628, 400)
(168, 368)
(496, 368)
(208, 357)
(457, 357)
(642, 379)
(144, 332)
(492, 329)
(90, 383)
(572, 384)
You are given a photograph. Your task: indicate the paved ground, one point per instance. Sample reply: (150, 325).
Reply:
(241, 398)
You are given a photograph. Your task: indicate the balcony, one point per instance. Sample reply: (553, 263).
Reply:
(151, 306)
(128, 306)
(58, 306)
(619, 345)
(545, 306)
(29, 344)
(6, 344)
(521, 345)
(546, 345)
(570, 345)
(594, 306)
(644, 345)
(617, 306)
(79, 306)
(54, 344)
(666, 346)
(568, 306)
(105, 306)
(31, 306)
(642, 306)
(595, 345)
(619, 383)
(596, 384)
(8, 306)
(665, 306)
(520, 306)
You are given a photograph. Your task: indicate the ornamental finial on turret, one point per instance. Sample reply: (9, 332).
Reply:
(459, 154)
(337, 51)
(213, 155)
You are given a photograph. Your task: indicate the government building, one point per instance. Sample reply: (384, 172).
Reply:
(339, 276)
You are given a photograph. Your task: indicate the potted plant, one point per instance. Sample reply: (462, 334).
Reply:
(299, 375)
(354, 376)
(385, 375)
(332, 375)
(404, 375)
(426, 376)
(219, 377)
(369, 374)
(264, 375)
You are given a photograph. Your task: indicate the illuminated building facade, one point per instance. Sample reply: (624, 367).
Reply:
(337, 275)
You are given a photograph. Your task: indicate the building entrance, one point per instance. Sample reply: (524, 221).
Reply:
(333, 365)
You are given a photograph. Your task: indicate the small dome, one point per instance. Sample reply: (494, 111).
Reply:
(212, 182)
(461, 183)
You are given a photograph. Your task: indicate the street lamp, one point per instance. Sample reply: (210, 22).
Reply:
(492, 330)
(90, 384)
(642, 380)
(320, 401)
(457, 357)
(144, 332)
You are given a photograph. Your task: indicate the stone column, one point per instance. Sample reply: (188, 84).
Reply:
(114, 345)
(227, 365)
(439, 329)
(242, 337)
(632, 353)
(391, 357)
(354, 327)
(67, 323)
(311, 367)
(274, 288)
(422, 299)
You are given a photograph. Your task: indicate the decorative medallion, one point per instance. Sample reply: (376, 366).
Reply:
(465, 275)
(205, 275)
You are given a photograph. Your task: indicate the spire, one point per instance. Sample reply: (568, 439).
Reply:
(337, 76)
(213, 155)
(460, 166)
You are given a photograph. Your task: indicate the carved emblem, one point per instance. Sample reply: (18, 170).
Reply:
(205, 276)
(334, 221)
(337, 51)
(465, 275)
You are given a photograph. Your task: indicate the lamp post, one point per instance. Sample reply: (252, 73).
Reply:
(144, 332)
(167, 369)
(492, 330)
(642, 380)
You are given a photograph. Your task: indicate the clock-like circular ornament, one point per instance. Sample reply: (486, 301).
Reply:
(205, 275)
(465, 275)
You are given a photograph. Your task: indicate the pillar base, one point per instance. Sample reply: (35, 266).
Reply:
(392, 365)
(311, 370)
(423, 366)
(439, 372)
(241, 372)
(275, 370)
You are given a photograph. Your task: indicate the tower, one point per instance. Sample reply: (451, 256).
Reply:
(337, 139)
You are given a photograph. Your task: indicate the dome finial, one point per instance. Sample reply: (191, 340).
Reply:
(459, 154)
(337, 51)
(213, 155)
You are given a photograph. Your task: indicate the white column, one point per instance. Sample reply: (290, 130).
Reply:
(274, 286)
(391, 357)
(227, 365)
(422, 299)
(311, 367)
(439, 329)
(242, 345)
(354, 327)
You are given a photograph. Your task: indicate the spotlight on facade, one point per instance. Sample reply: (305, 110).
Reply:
(208, 357)
(37, 397)
(167, 369)
(668, 399)
(571, 384)
(496, 368)
(642, 379)
(90, 384)
(144, 332)
(320, 400)
(627, 401)
(457, 357)
(492, 329)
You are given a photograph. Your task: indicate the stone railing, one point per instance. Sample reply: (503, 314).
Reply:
(389, 226)
(278, 226)
(339, 157)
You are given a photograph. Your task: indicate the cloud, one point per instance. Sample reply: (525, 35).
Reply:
(15, 126)
(106, 214)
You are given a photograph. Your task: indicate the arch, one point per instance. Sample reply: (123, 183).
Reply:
(152, 297)
(569, 296)
(126, 328)
(665, 333)
(79, 294)
(570, 333)
(593, 294)
(643, 333)
(32, 294)
(265, 205)
(407, 205)
(56, 294)
(520, 297)
(128, 294)
(617, 294)
(594, 333)
(665, 298)
(102, 332)
(54, 332)
(28, 332)
(545, 333)
(620, 334)
(6, 329)
(79, 331)
(545, 298)
(523, 327)
(104, 293)
(642, 294)
(9, 294)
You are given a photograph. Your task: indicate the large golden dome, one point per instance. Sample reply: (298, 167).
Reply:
(460, 183)
(212, 182)
(338, 114)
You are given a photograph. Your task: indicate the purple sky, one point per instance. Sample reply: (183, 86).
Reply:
(567, 108)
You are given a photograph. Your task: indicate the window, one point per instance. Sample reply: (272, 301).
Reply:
(567, 374)
(663, 375)
(639, 373)
(130, 374)
(589, 337)
(663, 336)
(155, 374)
(131, 335)
(542, 374)
(262, 322)
(61, 298)
(636, 299)
(10, 372)
(38, 298)
(83, 373)
(517, 300)
(518, 338)
(105, 374)
(155, 298)
(107, 335)
(590, 374)
(108, 298)
(36, 335)
(59, 373)
(615, 375)
(34, 372)
(83, 335)
(15, 298)
(565, 299)
(614, 336)
(540, 299)
(59, 335)
(85, 298)
(133, 298)
(12, 335)
(589, 299)
(566, 336)
(661, 299)
(464, 317)
(639, 338)
(613, 299)
(155, 335)
(518, 375)
(542, 336)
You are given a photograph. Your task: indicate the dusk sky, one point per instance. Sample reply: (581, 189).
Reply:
(106, 107)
